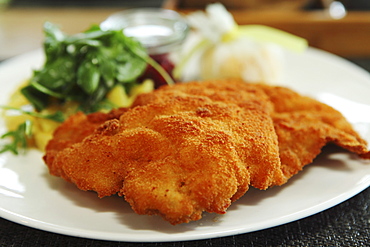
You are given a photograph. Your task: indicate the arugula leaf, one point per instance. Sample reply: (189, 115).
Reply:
(20, 136)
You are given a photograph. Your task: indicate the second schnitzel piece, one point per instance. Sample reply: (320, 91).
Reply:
(305, 125)
(177, 158)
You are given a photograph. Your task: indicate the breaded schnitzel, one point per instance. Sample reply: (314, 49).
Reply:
(195, 147)
(178, 161)
(304, 126)
(74, 130)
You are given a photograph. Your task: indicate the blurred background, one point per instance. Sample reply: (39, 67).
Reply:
(87, 3)
(313, 4)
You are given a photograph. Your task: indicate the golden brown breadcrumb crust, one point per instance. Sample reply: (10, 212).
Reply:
(194, 147)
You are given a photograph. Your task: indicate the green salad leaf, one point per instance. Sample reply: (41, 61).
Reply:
(84, 67)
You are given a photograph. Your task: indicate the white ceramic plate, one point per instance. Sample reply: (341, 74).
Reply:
(30, 196)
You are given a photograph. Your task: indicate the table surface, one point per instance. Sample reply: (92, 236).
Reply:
(347, 224)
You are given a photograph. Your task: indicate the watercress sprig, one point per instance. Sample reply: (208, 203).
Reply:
(84, 67)
(19, 138)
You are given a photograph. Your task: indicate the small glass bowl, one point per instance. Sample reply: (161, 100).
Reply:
(159, 30)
